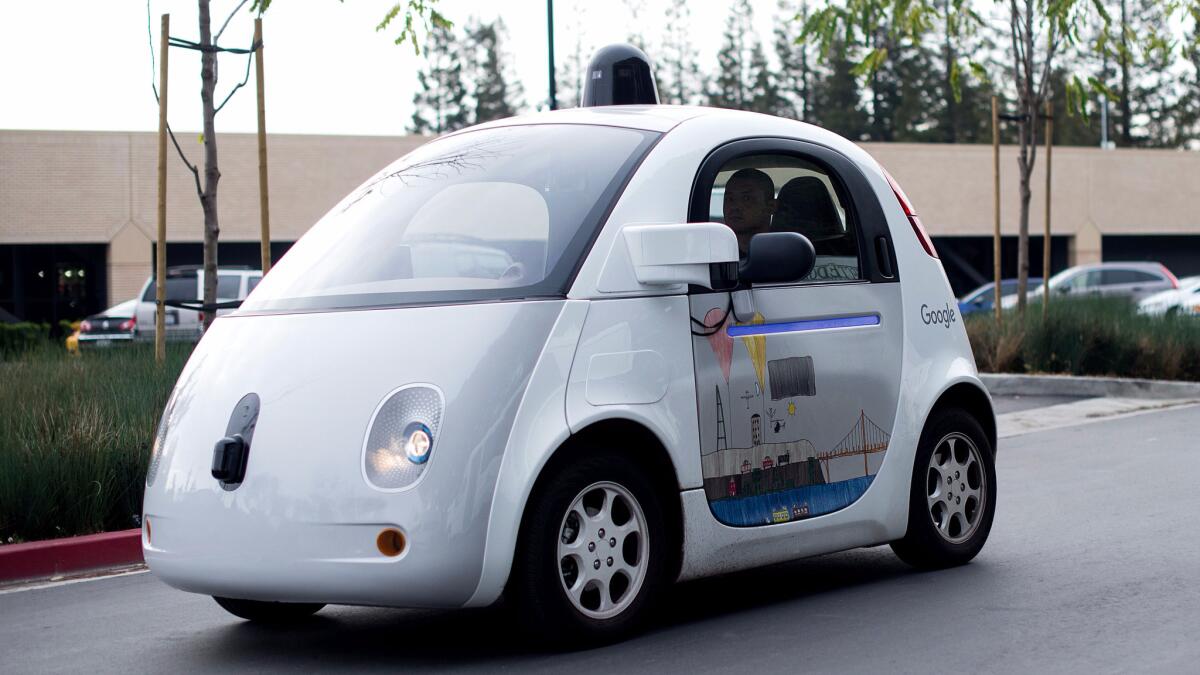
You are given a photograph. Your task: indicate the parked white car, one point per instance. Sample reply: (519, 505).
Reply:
(590, 391)
(1185, 299)
(186, 284)
(1133, 280)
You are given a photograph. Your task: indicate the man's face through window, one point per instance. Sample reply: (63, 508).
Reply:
(748, 205)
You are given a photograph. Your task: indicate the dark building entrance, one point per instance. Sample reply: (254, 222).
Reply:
(1179, 252)
(229, 253)
(968, 260)
(46, 283)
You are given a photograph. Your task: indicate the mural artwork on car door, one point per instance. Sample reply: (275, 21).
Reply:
(797, 400)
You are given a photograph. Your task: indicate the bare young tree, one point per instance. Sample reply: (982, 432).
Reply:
(416, 13)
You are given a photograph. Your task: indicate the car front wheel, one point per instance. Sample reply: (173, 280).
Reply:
(591, 557)
(953, 494)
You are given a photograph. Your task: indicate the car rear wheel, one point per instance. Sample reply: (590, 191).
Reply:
(268, 612)
(591, 555)
(952, 498)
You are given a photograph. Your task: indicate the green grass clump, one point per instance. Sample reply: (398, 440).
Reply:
(18, 338)
(1091, 336)
(75, 437)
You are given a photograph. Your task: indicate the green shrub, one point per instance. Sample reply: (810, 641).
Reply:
(76, 437)
(18, 338)
(1092, 336)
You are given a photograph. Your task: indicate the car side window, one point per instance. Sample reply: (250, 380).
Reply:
(782, 193)
(179, 289)
(1084, 280)
(1114, 277)
(228, 286)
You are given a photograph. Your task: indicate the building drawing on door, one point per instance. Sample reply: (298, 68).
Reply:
(768, 454)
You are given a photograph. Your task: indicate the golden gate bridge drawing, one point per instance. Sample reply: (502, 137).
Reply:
(763, 468)
(865, 438)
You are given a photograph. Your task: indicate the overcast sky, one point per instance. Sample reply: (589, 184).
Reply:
(85, 64)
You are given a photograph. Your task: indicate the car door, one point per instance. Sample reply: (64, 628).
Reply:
(797, 383)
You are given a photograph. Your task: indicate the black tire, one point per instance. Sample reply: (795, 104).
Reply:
(923, 546)
(268, 612)
(536, 586)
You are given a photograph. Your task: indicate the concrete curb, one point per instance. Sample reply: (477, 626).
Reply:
(1067, 385)
(56, 557)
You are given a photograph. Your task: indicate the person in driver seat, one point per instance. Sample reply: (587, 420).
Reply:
(748, 205)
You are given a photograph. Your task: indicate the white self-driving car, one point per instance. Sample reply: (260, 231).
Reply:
(537, 358)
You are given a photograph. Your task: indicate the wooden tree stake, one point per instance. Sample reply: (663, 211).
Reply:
(160, 292)
(1046, 236)
(263, 201)
(996, 203)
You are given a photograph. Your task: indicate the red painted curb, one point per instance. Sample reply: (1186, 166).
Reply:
(53, 557)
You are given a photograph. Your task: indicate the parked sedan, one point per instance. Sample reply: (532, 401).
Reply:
(1133, 280)
(1184, 300)
(114, 325)
(982, 299)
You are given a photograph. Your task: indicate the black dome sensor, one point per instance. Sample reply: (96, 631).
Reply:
(619, 74)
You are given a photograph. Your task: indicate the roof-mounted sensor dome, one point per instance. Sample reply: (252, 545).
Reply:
(619, 74)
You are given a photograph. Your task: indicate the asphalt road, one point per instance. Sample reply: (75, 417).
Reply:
(1093, 566)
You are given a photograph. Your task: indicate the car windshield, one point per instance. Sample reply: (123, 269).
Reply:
(493, 214)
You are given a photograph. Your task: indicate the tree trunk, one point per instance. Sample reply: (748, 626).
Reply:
(1124, 55)
(1025, 169)
(1027, 104)
(208, 199)
(805, 108)
(949, 58)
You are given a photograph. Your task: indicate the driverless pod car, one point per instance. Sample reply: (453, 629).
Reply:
(572, 358)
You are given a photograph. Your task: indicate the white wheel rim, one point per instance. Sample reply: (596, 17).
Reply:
(602, 550)
(956, 487)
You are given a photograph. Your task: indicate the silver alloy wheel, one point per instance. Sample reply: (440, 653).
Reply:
(602, 550)
(956, 487)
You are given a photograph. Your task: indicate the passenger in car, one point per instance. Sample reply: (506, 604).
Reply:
(748, 205)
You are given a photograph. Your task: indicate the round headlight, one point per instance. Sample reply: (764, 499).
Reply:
(418, 441)
(401, 435)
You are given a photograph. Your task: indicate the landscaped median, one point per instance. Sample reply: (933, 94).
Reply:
(76, 437)
(1094, 336)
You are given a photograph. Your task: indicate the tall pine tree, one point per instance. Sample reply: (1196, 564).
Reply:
(497, 95)
(440, 102)
(679, 78)
(962, 98)
(795, 70)
(734, 84)
(764, 91)
(836, 97)
(1187, 109)
(568, 72)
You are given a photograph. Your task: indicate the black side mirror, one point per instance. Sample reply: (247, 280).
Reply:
(777, 257)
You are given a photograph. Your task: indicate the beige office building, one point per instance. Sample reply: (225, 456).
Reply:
(78, 209)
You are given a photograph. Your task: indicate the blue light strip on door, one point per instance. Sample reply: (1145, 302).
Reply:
(801, 326)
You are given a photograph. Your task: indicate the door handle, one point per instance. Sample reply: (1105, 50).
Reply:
(884, 257)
